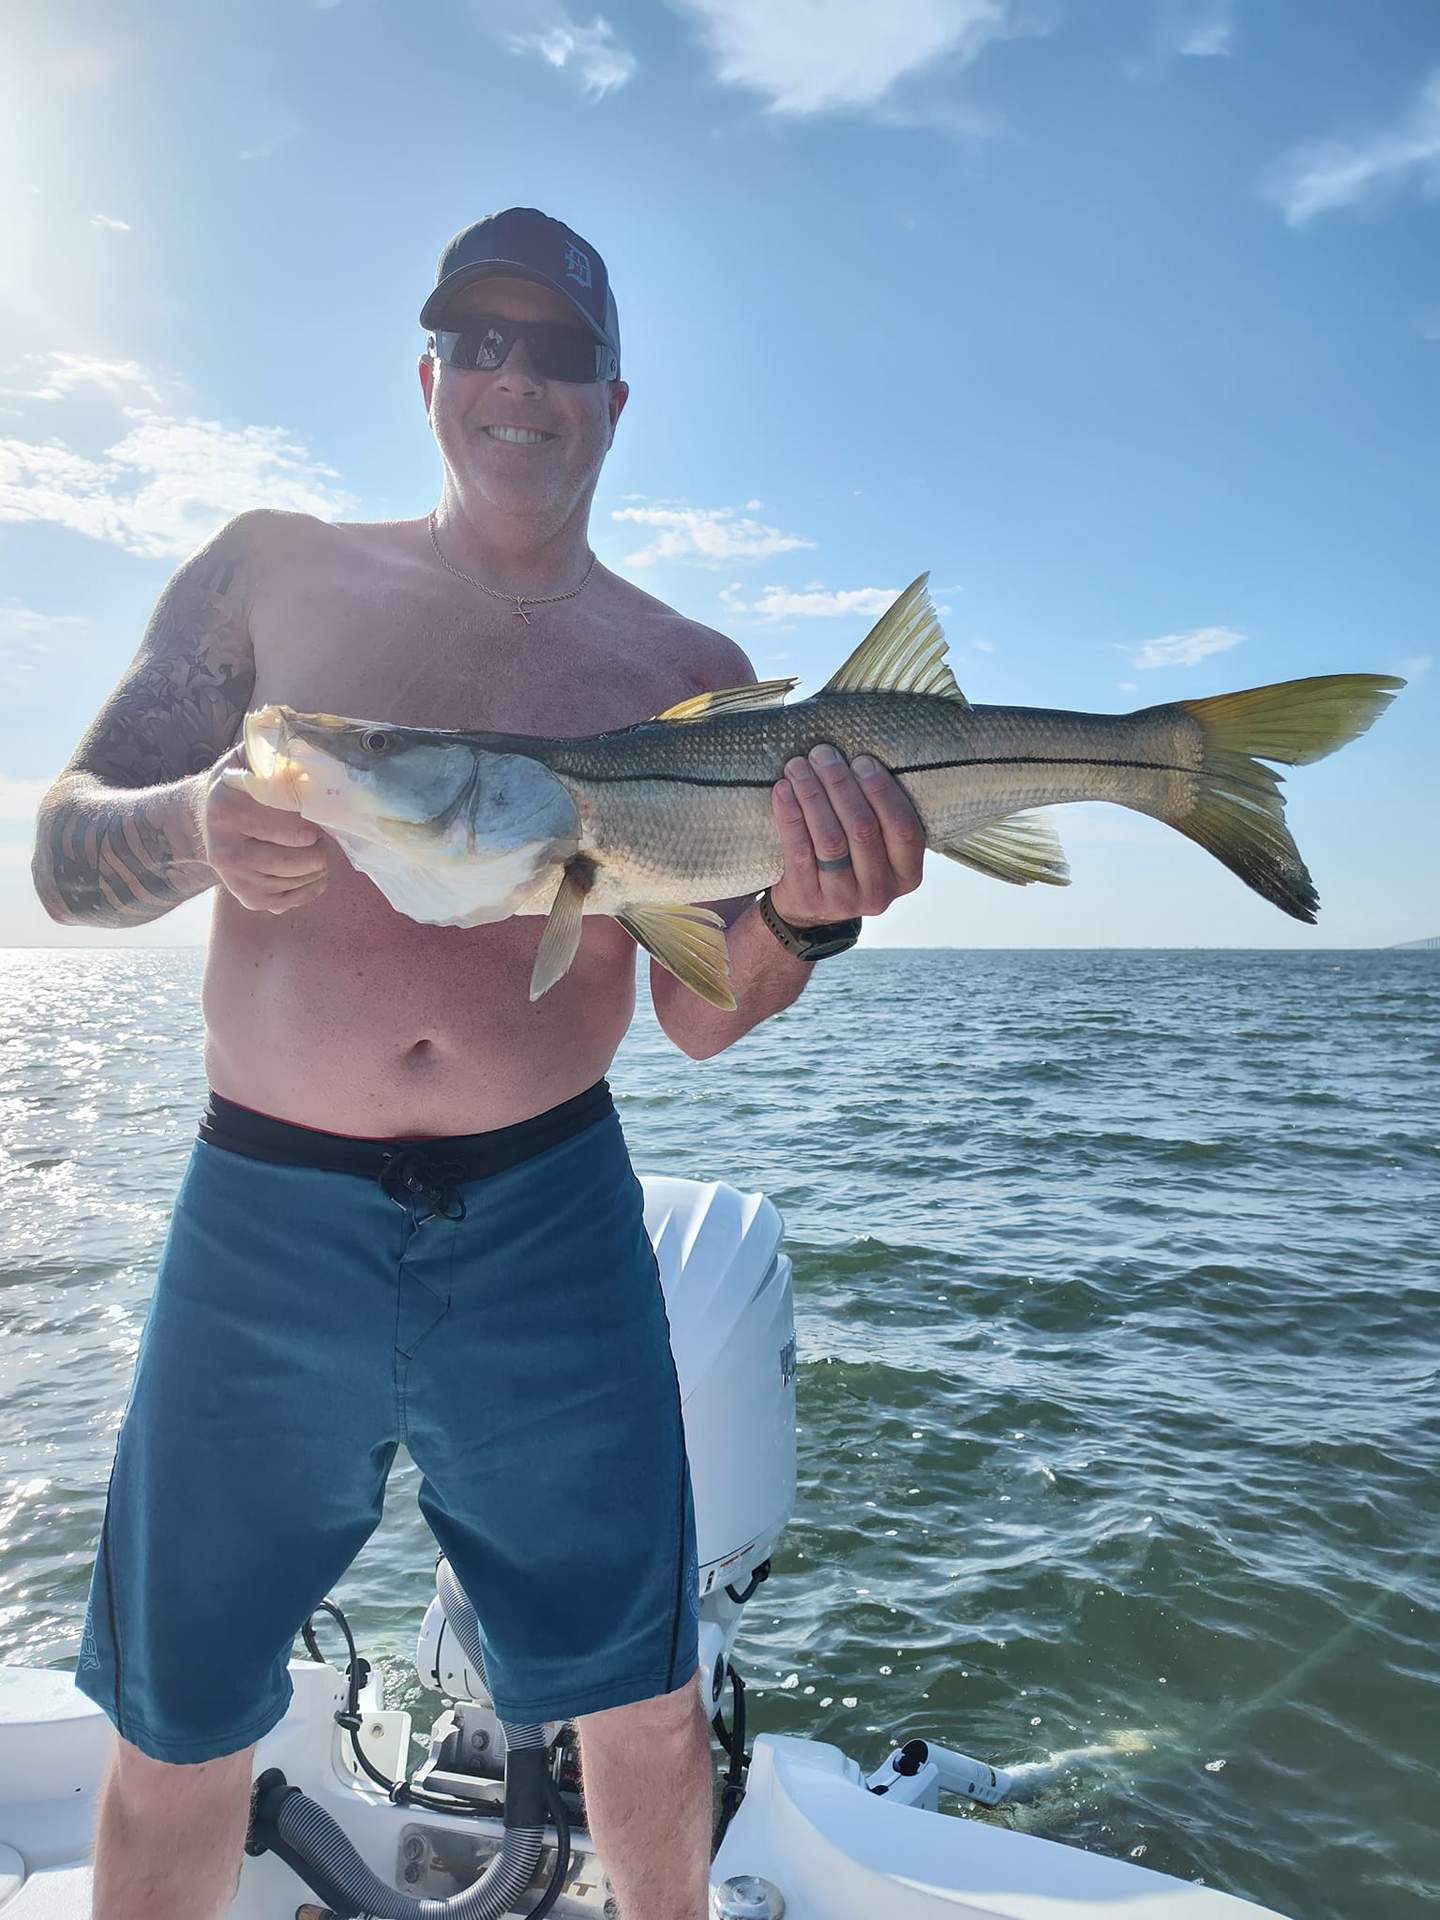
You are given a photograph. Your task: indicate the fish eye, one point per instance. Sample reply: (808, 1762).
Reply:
(374, 740)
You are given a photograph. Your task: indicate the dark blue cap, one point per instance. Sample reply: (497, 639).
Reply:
(524, 244)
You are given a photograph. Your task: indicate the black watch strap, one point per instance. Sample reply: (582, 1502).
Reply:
(809, 943)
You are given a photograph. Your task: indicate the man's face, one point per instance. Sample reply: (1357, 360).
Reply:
(547, 479)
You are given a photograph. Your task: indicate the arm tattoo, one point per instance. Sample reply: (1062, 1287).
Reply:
(119, 842)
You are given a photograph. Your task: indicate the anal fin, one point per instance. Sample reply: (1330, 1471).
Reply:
(688, 942)
(1020, 849)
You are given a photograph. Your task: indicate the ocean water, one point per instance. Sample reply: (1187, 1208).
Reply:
(1119, 1328)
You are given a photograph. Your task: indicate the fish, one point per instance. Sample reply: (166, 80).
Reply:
(648, 822)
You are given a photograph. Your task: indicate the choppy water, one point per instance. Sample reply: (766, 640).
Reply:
(1120, 1388)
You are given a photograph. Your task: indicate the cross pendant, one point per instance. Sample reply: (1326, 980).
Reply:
(521, 611)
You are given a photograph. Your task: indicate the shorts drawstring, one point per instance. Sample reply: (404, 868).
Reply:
(414, 1174)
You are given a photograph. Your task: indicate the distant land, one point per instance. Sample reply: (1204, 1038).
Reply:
(1432, 945)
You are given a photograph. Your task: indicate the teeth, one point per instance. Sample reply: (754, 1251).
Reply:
(522, 436)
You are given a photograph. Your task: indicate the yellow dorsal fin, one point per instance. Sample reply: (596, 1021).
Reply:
(904, 652)
(700, 706)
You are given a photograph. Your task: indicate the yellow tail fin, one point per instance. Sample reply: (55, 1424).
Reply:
(1240, 815)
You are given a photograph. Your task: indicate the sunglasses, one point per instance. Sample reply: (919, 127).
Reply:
(557, 352)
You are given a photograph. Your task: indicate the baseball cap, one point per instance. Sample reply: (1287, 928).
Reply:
(524, 244)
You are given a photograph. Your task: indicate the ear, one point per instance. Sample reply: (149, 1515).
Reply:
(619, 394)
(427, 378)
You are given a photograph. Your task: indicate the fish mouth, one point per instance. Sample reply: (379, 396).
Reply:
(270, 744)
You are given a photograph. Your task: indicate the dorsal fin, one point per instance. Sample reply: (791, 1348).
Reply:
(700, 706)
(904, 652)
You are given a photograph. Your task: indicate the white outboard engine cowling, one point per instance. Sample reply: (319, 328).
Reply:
(732, 1332)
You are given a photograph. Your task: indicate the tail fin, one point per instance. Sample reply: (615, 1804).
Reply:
(1240, 815)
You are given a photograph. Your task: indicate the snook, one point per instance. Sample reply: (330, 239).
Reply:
(642, 823)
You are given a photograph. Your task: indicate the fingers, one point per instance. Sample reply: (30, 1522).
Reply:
(826, 810)
(900, 826)
(855, 831)
(285, 863)
(296, 897)
(233, 801)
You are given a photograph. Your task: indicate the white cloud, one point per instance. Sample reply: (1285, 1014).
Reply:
(111, 226)
(1319, 175)
(276, 136)
(59, 374)
(1206, 32)
(813, 58)
(165, 486)
(983, 646)
(19, 799)
(24, 637)
(592, 53)
(810, 603)
(1415, 666)
(705, 536)
(1185, 649)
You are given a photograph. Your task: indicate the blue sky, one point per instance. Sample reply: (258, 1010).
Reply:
(1121, 319)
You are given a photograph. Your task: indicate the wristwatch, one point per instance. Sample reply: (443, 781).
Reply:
(809, 943)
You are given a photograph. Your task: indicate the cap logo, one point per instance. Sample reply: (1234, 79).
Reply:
(577, 266)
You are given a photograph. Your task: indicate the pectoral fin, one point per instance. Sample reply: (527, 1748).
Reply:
(688, 942)
(560, 941)
(1020, 849)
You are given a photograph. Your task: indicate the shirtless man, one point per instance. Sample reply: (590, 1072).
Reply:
(285, 1353)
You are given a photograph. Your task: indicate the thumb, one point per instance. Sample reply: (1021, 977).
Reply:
(240, 780)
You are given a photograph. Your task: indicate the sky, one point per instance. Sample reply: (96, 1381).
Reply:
(1121, 319)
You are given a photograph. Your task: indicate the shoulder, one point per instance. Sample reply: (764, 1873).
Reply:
(711, 658)
(278, 550)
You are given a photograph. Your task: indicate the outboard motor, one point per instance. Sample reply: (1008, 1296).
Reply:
(727, 1287)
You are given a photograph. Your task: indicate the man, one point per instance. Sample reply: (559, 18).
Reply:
(483, 1294)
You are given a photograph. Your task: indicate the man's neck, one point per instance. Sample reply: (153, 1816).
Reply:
(513, 557)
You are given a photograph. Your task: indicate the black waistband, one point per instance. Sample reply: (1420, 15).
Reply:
(423, 1169)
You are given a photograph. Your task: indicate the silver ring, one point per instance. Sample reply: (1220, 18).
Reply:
(833, 866)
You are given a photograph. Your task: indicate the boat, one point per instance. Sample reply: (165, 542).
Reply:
(491, 1823)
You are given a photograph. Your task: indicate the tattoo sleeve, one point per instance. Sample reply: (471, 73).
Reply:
(119, 839)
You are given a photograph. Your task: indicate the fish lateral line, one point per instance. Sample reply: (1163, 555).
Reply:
(923, 766)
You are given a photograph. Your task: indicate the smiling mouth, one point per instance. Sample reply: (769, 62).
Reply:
(519, 436)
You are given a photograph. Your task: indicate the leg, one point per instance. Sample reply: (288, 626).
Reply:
(169, 1839)
(648, 1785)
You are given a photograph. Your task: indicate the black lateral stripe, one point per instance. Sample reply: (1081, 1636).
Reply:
(923, 766)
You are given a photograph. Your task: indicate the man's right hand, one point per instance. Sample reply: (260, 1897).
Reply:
(270, 859)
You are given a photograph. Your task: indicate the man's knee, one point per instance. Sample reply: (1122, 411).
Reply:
(666, 1714)
(184, 1787)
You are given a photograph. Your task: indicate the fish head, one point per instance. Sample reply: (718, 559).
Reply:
(430, 793)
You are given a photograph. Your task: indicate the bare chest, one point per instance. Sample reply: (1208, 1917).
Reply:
(374, 648)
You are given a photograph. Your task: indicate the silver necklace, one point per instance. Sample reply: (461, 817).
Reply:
(520, 599)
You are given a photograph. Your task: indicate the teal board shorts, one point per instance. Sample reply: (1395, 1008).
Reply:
(489, 1301)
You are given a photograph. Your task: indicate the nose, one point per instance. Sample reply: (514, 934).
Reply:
(516, 374)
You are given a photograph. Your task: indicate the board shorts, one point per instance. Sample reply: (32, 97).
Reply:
(489, 1301)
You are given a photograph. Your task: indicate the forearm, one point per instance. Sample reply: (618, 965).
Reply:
(763, 977)
(109, 856)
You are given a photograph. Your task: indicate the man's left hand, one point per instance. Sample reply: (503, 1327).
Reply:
(858, 816)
